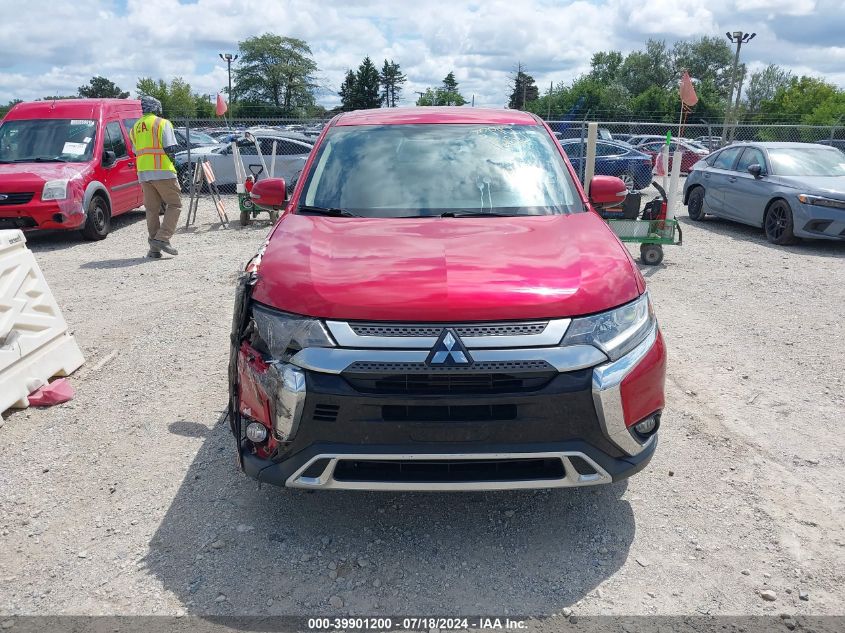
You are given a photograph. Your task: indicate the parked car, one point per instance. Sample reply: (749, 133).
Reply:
(790, 190)
(710, 142)
(410, 327)
(639, 139)
(576, 132)
(291, 153)
(198, 139)
(690, 153)
(621, 138)
(68, 164)
(613, 159)
(837, 143)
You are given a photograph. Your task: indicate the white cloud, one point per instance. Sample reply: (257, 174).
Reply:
(54, 46)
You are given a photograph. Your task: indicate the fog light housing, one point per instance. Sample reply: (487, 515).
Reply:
(256, 432)
(647, 427)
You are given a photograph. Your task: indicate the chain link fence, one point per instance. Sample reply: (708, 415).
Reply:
(626, 149)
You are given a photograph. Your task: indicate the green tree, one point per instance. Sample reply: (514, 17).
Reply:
(763, 85)
(643, 69)
(177, 99)
(428, 98)
(347, 92)
(276, 70)
(367, 86)
(706, 59)
(204, 106)
(523, 89)
(391, 79)
(796, 102)
(101, 88)
(605, 66)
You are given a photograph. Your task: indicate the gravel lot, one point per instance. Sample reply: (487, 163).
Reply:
(127, 500)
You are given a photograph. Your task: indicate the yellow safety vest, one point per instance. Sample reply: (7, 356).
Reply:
(146, 137)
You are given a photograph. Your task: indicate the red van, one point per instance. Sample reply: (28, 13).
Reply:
(68, 164)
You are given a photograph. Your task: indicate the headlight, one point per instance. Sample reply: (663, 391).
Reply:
(285, 334)
(615, 332)
(820, 201)
(54, 190)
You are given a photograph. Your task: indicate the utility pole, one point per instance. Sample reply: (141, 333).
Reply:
(739, 38)
(229, 58)
(549, 104)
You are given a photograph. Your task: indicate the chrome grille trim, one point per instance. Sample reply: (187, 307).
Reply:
(424, 336)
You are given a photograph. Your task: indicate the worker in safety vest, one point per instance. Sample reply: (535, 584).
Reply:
(155, 149)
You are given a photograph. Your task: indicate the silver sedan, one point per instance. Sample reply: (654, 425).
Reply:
(790, 190)
(290, 156)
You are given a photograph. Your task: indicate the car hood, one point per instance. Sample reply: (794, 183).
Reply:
(833, 186)
(445, 269)
(32, 176)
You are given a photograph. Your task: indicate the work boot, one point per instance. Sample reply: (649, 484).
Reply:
(161, 245)
(153, 254)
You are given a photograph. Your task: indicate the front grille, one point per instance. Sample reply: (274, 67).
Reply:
(465, 330)
(450, 471)
(369, 367)
(15, 198)
(17, 223)
(449, 383)
(449, 413)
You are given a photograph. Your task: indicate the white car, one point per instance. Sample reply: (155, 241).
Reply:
(291, 153)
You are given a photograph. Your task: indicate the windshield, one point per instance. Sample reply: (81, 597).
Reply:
(47, 140)
(810, 161)
(202, 138)
(428, 170)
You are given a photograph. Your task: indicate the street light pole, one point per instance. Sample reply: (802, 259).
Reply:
(229, 58)
(739, 38)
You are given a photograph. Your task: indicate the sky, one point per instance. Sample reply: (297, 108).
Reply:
(52, 47)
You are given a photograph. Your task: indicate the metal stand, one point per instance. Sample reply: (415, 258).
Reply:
(204, 175)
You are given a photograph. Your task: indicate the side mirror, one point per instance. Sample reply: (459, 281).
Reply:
(607, 191)
(755, 170)
(269, 193)
(109, 158)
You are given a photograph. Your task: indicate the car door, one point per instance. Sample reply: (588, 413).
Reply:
(746, 197)
(120, 177)
(716, 180)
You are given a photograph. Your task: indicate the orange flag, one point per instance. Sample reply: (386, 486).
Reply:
(221, 105)
(688, 96)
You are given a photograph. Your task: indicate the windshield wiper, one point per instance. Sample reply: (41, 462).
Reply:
(338, 213)
(476, 214)
(40, 159)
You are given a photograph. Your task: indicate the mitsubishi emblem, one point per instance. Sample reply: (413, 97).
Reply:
(448, 350)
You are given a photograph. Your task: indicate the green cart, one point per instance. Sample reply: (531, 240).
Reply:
(249, 211)
(650, 230)
(650, 234)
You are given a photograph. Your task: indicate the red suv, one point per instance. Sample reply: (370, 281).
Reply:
(68, 164)
(441, 308)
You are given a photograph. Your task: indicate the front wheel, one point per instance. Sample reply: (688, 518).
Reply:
(695, 204)
(778, 224)
(651, 254)
(274, 215)
(245, 218)
(628, 179)
(97, 219)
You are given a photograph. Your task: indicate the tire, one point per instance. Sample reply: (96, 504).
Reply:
(695, 204)
(274, 215)
(246, 218)
(628, 179)
(778, 224)
(651, 254)
(97, 219)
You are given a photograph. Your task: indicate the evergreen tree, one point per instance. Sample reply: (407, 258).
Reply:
(524, 89)
(347, 92)
(367, 86)
(448, 93)
(391, 83)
